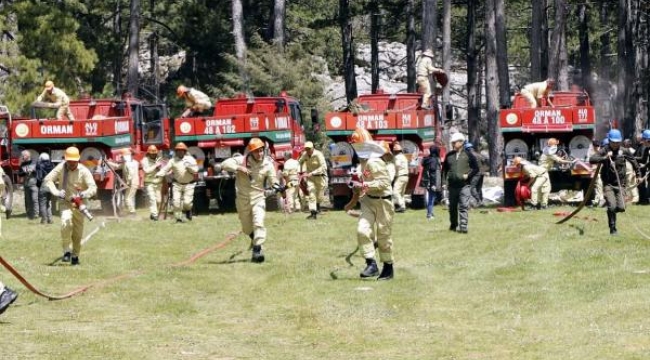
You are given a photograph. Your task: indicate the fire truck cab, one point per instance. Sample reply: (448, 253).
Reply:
(277, 120)
(388, 117)
(526, 130)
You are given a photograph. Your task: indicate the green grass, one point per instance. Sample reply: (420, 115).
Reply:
(516, 287)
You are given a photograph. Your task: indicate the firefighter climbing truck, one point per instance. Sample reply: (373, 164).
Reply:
(388, 117)
(101, 130)
(277, 120)
(527, 130)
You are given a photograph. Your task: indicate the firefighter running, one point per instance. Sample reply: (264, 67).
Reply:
(131, 175)
(151, 163)
(374, 194)
(290, 174)
(183, 167)
(613, 158)
(401, 177)
(254, 182)
(313, 162)
(77, 185)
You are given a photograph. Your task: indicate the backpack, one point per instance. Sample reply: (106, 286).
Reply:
(42, 169)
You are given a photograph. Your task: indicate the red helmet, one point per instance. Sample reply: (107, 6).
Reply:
(522, 193)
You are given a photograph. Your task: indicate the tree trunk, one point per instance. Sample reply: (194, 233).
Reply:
(240, 42)
(374, 45)
(641, 71)
(605, 43)
(134, 48)
(473, 92)
(502, 53)
(429, 17)
(117, 62)
(583, 35)
(279, 12)
(446, 53)
(153, 48)
(630, 80)
(538, 41)
(625, 108)
(558, 62)
(410, 46)
(491, 86)
(348, 50)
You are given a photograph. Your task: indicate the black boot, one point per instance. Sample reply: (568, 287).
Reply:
(313, 215)
(7, 297)
(188, 215)
(370, 270)
(386, 272)
(318, 208)
(258, 255)
(611, 220)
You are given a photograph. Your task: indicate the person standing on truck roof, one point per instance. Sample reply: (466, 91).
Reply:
(196, 102)
(151, 163)
(43, 167)
(425, 68)
(458, 169)
(539, 183)
(401, 177)
(131, 176)
(58, 99)
(254, 182)
(184, 168)
(613, 159)
(535, 92)
(372, 190)
(290, 173)
(75, 180)
(315, 169)
(30, 184)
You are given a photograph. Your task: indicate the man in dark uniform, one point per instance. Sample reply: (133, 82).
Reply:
(643, 157)
(459, 168)
(612, 158)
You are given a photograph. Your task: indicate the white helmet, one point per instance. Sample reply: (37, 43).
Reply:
(457, 137)
(44, 156)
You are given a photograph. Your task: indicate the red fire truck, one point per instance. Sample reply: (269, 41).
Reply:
(388, 117)
(526, 131)
(102, 128)
(277, 120)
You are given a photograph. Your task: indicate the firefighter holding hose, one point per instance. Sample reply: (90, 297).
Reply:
(76, 184)
(254, 180)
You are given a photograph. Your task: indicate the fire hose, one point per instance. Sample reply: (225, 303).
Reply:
(590, 189)
(121, 189)
(229, 238)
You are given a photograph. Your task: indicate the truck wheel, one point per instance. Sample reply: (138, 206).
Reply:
(339, 201)
(417, 201)
(8, 197)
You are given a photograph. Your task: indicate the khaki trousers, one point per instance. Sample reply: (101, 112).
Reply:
(316, 186)
(153, 197)
(631, 190)
(291, 197)
(424, 87)
(399, 188)
(540, 190)
(376, 221)
(529, 96)
(251, 217)
(72, 230)
(183, 197)
(64, 110)
(129, 198)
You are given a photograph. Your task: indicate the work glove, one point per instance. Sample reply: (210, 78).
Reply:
(61, 194)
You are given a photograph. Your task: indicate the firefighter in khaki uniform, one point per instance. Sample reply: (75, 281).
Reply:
(536, 91)
(183, 167)
(291, 179)
(255, 175)
(75, 180)
(539, 183)
(401, 178)
(131, 176)
(316, 173)
(58, 99)
(425, 68)
(549, 155)
(151, 163)
(196, 101)
(373, 191)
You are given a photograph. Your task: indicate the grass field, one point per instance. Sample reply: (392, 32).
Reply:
(516, 287)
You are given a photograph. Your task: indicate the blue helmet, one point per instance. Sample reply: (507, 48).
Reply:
(604, 142)
(645, 135)
(614, 135)
(468, 145)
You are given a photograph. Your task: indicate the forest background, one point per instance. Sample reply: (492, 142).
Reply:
(105, 47)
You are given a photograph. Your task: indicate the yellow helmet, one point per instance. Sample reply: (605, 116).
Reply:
(386, 146)
(309, 145)
(72, 154)
(152, 149)
(181, 90)
(49, 85)
(180, 146)
(255, 144)
(360, 135)
(126, 151)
